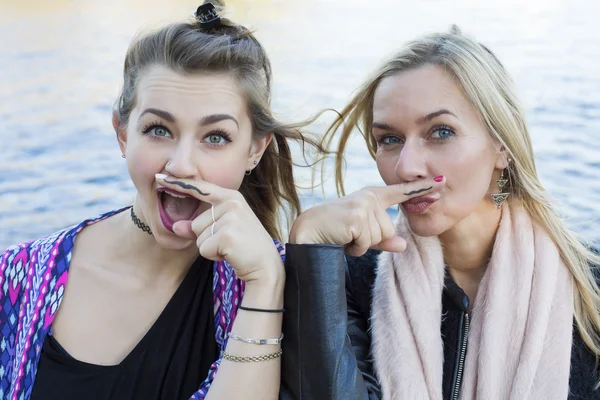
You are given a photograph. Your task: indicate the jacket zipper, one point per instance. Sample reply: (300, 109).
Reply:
(461, 360)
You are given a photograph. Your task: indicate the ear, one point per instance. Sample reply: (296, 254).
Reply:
(120, 131)
(502, 158)
(257, 150)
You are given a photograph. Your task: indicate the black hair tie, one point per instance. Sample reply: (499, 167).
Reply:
(207, 15)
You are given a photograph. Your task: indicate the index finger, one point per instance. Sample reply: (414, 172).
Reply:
(399, 193)
(202, 190)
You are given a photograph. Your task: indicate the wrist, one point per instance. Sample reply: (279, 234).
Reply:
(301, 235)
(264, 293)
(271, 274)
(268, 278)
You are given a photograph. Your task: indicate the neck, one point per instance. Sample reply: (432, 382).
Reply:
(136, 250)
(468, 247)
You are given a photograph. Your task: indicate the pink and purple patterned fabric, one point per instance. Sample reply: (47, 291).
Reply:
(33, 276)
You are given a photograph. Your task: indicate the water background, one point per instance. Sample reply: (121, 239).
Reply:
(61, 62)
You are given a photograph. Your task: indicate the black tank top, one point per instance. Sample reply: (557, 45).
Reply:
(169, 363)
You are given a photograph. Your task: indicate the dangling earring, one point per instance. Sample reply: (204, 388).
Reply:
(123, 155)
(500, 197)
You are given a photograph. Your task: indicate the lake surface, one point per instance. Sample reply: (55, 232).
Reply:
(61, 62)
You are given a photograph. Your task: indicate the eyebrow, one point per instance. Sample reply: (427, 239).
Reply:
(214, 118)
(382, 126)
(422, 120)
(435, 114)
(163, 114)
(207, 120)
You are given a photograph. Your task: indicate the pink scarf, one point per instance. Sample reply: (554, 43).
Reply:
(519, 344)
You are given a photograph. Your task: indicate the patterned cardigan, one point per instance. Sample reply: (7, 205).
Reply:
(33, 276)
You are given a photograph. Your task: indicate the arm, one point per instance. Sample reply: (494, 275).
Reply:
(325, 334)
(358, 326)
(230, 231)
(252, 380)
(326, 345)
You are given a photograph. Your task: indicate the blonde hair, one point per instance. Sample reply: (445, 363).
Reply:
(228, 49)
(490, 90)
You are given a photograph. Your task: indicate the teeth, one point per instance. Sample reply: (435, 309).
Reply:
(176, 195)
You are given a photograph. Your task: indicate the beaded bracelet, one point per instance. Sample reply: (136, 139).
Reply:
(266, 357)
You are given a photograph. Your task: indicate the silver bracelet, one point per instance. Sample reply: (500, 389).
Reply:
(256, 341)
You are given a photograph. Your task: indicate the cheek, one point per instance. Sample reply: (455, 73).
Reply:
(386, 165)
(469, 177)
(468, 172)
(143, 164)
(226, 170)
(226, 179)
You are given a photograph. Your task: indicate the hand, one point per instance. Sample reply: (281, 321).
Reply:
(237, 236)
(359, 221)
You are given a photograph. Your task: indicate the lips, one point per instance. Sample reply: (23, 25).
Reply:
(174, 206)
(418, 205)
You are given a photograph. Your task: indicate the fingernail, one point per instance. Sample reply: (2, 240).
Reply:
(439, 178)
(161, 176)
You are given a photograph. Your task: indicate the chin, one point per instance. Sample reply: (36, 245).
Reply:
(170, 241)
(425, 225)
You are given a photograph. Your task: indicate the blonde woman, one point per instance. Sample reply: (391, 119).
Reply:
(479, 290)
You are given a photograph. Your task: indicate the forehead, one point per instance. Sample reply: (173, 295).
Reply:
(190, 96)
(418, 92)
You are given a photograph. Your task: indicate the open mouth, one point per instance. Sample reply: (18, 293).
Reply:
(174, 206)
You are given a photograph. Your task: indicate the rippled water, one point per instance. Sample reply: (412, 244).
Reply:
(60, 69)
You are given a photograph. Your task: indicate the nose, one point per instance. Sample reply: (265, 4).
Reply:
(411, 165)
(181, 162)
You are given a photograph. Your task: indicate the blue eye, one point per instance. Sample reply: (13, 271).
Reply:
(160, 131)
(218, 138)
(442, 133)
(389, 140)
(215, 139)
(156, 130)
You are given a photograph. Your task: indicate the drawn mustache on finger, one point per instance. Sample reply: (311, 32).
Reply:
(187, 186)
(418, 191)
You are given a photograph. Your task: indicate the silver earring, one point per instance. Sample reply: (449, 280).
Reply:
(500, 197)
(123, 155)
(250, 171)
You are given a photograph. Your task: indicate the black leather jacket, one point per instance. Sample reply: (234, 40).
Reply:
(326, 351)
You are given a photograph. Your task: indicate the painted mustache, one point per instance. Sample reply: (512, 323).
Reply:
(187, 186)
(418, 191)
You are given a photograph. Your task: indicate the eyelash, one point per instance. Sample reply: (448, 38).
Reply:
(219, 132)
(443, 128)
(151, 125)
(215, 132)
(381, 140)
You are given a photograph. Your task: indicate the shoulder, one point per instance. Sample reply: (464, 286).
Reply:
(25, 270)
(584, 370)
(37, 256)
(25, 253)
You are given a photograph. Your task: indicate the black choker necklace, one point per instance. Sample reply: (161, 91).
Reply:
(139, 223)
